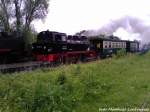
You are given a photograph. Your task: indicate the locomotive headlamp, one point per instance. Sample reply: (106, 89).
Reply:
(49, 50)
(44, 47)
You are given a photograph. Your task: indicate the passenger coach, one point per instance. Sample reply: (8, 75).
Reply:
(106, 47)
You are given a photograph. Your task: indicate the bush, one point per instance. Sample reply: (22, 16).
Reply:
(120, 53)
(29, 38)
(61, 78)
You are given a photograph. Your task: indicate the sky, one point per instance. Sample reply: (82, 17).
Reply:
(71, 16)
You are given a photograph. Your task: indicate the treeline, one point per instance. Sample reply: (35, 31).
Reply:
(17, 15)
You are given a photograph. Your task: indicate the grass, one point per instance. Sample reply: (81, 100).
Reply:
(119, 82)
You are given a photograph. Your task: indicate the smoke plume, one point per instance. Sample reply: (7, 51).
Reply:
(130, 24)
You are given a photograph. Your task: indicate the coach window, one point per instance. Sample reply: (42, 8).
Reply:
(136, 45)
(114, 45)
(124, 45)
(109, 44)
(105, 44)
(63, 38)
(132, 45)
(121, 44)
(118, 44)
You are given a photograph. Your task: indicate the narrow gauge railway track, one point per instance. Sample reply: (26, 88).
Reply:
(32, 65)
(26, 66)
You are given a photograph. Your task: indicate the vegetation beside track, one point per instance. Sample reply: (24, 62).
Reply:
(110, 83)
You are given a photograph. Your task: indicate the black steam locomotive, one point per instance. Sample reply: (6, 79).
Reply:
(59, 47)
(55, 46)
(11, 47)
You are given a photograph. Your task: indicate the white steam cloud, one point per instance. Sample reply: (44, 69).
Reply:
(132, 25)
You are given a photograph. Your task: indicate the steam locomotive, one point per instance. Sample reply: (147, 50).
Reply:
(11, 47)
(59, 47)
(55, 46)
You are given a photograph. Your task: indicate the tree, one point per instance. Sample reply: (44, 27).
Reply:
(4, 14)
(18, 5)
(21, 13)
(34, 9)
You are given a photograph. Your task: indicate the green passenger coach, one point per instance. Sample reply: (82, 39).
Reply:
(106, 47)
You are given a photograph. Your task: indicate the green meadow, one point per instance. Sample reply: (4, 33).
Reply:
(85, 87)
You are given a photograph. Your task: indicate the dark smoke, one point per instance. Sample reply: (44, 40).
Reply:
(132, 25)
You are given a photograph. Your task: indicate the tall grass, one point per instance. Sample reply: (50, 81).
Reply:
(117, 82)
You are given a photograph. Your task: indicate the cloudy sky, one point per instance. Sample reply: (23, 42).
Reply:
(71, 16)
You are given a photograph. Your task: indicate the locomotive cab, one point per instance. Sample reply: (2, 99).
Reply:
(51, 37)
(49, 42)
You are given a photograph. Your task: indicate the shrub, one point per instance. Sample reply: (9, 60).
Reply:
(77, 70)
(61, 78)
(120, 53)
